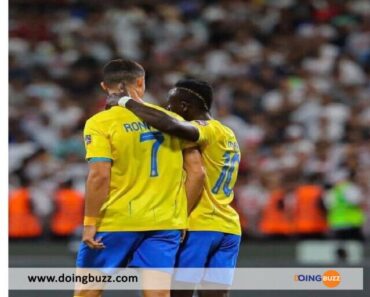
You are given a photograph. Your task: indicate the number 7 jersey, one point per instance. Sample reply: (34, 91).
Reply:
(147, 189)
(221, 157)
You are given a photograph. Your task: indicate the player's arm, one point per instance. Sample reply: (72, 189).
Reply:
(163, 122)
(98, 154)
(195, 176)
(97, 189)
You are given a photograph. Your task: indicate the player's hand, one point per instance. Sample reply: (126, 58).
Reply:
(135, 96)
(88, 237)
(112, 99)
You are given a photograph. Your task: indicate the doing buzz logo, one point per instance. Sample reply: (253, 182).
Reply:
(330, 278)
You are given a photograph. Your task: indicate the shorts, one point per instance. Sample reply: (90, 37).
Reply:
(208, 249)
(146, 249)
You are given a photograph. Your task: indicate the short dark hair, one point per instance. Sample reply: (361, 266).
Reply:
(121, 70)
(203, 92)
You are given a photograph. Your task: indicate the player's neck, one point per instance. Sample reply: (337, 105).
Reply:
(204, 116)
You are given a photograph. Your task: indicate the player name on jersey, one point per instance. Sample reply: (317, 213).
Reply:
(136, 126)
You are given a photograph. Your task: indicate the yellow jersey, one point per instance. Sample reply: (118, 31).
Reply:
(147, 190)
(221, 157)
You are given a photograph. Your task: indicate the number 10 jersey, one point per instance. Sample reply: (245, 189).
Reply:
(221, 157)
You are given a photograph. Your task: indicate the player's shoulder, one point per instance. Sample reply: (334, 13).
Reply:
(107, 115)
(222, 130)
(170, 113)
(213, 125)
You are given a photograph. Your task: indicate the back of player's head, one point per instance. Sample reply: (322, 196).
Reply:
(200, 90)
(119, 70)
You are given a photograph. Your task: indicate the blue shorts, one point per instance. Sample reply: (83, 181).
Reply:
(146, 249)
(208, 249)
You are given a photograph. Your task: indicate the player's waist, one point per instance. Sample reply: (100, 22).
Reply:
(211, 206)
(213, 221)
(205, 225)
(121, 228)
(140, 224)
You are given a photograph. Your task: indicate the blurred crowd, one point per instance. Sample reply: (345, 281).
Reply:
(291, 78)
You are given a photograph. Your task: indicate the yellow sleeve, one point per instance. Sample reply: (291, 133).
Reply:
(206, 134)
(97, 143)
(184, 144)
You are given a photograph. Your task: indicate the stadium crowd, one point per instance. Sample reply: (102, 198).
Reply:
(291, 78)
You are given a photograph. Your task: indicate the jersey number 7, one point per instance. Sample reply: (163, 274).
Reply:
(158, 140)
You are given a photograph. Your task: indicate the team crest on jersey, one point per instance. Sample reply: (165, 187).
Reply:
(202, 123)
(87, 139)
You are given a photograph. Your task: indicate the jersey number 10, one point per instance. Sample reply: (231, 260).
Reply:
(226, 174)
(158, 140)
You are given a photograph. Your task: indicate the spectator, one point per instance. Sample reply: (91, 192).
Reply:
(276, 219)
(344, 203)
(23, 222)
(68, 212)
(309, 210)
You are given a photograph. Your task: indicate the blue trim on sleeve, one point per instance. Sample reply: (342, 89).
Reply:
(95, 160)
